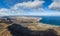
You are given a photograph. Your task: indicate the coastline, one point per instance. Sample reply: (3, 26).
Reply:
(30, 23)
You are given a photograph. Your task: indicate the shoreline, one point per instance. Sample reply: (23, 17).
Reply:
(51, 25)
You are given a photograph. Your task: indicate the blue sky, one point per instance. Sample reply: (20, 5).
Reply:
(30, 7)
(9, 3)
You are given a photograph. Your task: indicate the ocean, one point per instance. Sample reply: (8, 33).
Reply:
(51, 20)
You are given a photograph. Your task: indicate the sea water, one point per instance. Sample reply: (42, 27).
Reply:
(51, 20)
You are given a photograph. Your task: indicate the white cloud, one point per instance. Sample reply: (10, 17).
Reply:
(56, 0)
(18, 9)
(7, 12)
(55, 5)
(29, 5)
(1, 10)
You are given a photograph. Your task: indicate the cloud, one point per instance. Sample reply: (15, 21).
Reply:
(56, 0)
(55, 5)
(9, 12)
(20, 8)
(27, 8)
(3, 10)
(29, 5)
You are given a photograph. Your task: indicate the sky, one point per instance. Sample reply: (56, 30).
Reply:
(30, 7)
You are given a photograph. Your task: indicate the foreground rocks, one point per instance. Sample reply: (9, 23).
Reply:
(18, 30)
